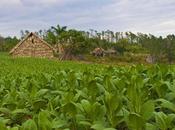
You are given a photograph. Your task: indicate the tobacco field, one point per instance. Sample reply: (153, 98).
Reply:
(38, 94)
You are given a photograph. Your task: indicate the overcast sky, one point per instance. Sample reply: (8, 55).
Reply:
(147, 16)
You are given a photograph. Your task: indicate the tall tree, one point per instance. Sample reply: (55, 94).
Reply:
(59, 31)
(56, 35)
(170, 48)
(24, 33)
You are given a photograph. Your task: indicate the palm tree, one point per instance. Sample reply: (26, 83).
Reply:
(58, 31)
(51, 37)
(57, 35)
(103, 35)
(107, 33)
(91, 32)
(112, 36)
(117, 36)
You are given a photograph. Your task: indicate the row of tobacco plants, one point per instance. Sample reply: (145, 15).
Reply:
(106, 98)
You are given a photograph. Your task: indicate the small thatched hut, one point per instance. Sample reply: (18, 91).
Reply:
(98, 52)
(33, 46)
(110, 52)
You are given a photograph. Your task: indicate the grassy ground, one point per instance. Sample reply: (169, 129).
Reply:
(126, 59)
(10, 63)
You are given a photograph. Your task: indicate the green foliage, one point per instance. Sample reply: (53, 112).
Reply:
(40, 94)
(121, 46)
(74, 44)
(7, 43)
(29, 125)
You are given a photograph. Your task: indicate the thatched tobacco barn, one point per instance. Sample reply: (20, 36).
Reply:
(33, 46)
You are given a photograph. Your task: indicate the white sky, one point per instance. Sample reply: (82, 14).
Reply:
(147, 16)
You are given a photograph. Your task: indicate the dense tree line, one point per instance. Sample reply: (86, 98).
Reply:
(82, 42)
(6, 43)
(85, 41)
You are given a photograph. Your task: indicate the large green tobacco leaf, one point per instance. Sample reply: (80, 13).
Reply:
(147, 110)
(58, 124)
(18, 116)
(113, 104)
(100, 126)
(2, 126)
(95, 111)
(135, 122)
(43, 121)
(150, 126)
(5, 112)
(39, 104)
(163, 121)
(70, 109)
(29, 125)
(166, 104)
(14, 128)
